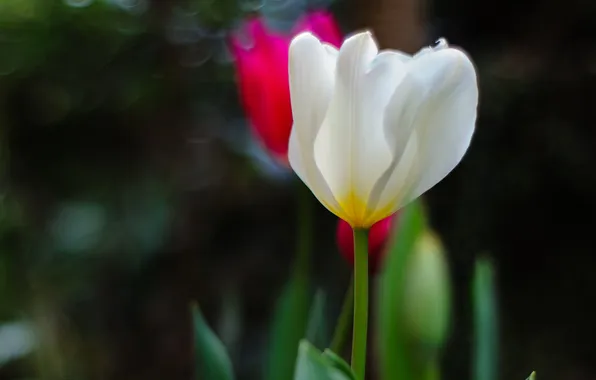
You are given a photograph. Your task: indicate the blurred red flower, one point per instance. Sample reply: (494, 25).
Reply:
(262, 76)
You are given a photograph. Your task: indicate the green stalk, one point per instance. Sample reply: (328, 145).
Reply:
(343, 322)
(360, 302)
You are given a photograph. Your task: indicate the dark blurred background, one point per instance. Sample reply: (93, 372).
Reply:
(130, 184)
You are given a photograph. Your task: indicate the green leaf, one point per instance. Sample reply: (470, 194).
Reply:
(485, 322)
(314, 365)
(344, 320)
(532, 376)
(396, 360)
(317, 331)
(339, 363)
(291, 313)
(211, 359)
(289, 326)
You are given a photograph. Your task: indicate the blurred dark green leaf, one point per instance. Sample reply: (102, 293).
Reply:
(344, 321)
(211, 358)
(396, 360)
(289, 326)
(317, 331)
(291, 315)
(230, 323)
(314, 365)
(532, 376)
(485, 322)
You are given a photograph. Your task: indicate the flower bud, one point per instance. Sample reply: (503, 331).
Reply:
(427, 292)
(378, 236)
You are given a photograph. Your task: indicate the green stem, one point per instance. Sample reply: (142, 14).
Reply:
(343, 322)
(360, 302)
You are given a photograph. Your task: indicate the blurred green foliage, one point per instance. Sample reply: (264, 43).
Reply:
(486, 316)
(211, 358)
(95, 98)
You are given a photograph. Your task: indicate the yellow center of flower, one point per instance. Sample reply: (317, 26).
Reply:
(356, 211)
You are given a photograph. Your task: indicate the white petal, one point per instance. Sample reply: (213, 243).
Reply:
(435, 111)
(405, 58)
(311, 72)
(447, 120)
(401, 138)
(304, 166)
(351, 150)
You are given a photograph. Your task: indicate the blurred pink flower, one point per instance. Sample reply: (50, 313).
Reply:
(262, 76)
(378, 236)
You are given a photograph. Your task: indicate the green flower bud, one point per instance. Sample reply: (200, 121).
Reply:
(427, 293)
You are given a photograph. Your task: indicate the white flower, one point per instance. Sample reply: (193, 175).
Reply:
(373, 131)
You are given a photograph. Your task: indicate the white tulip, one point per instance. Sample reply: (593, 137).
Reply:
(374, 130)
